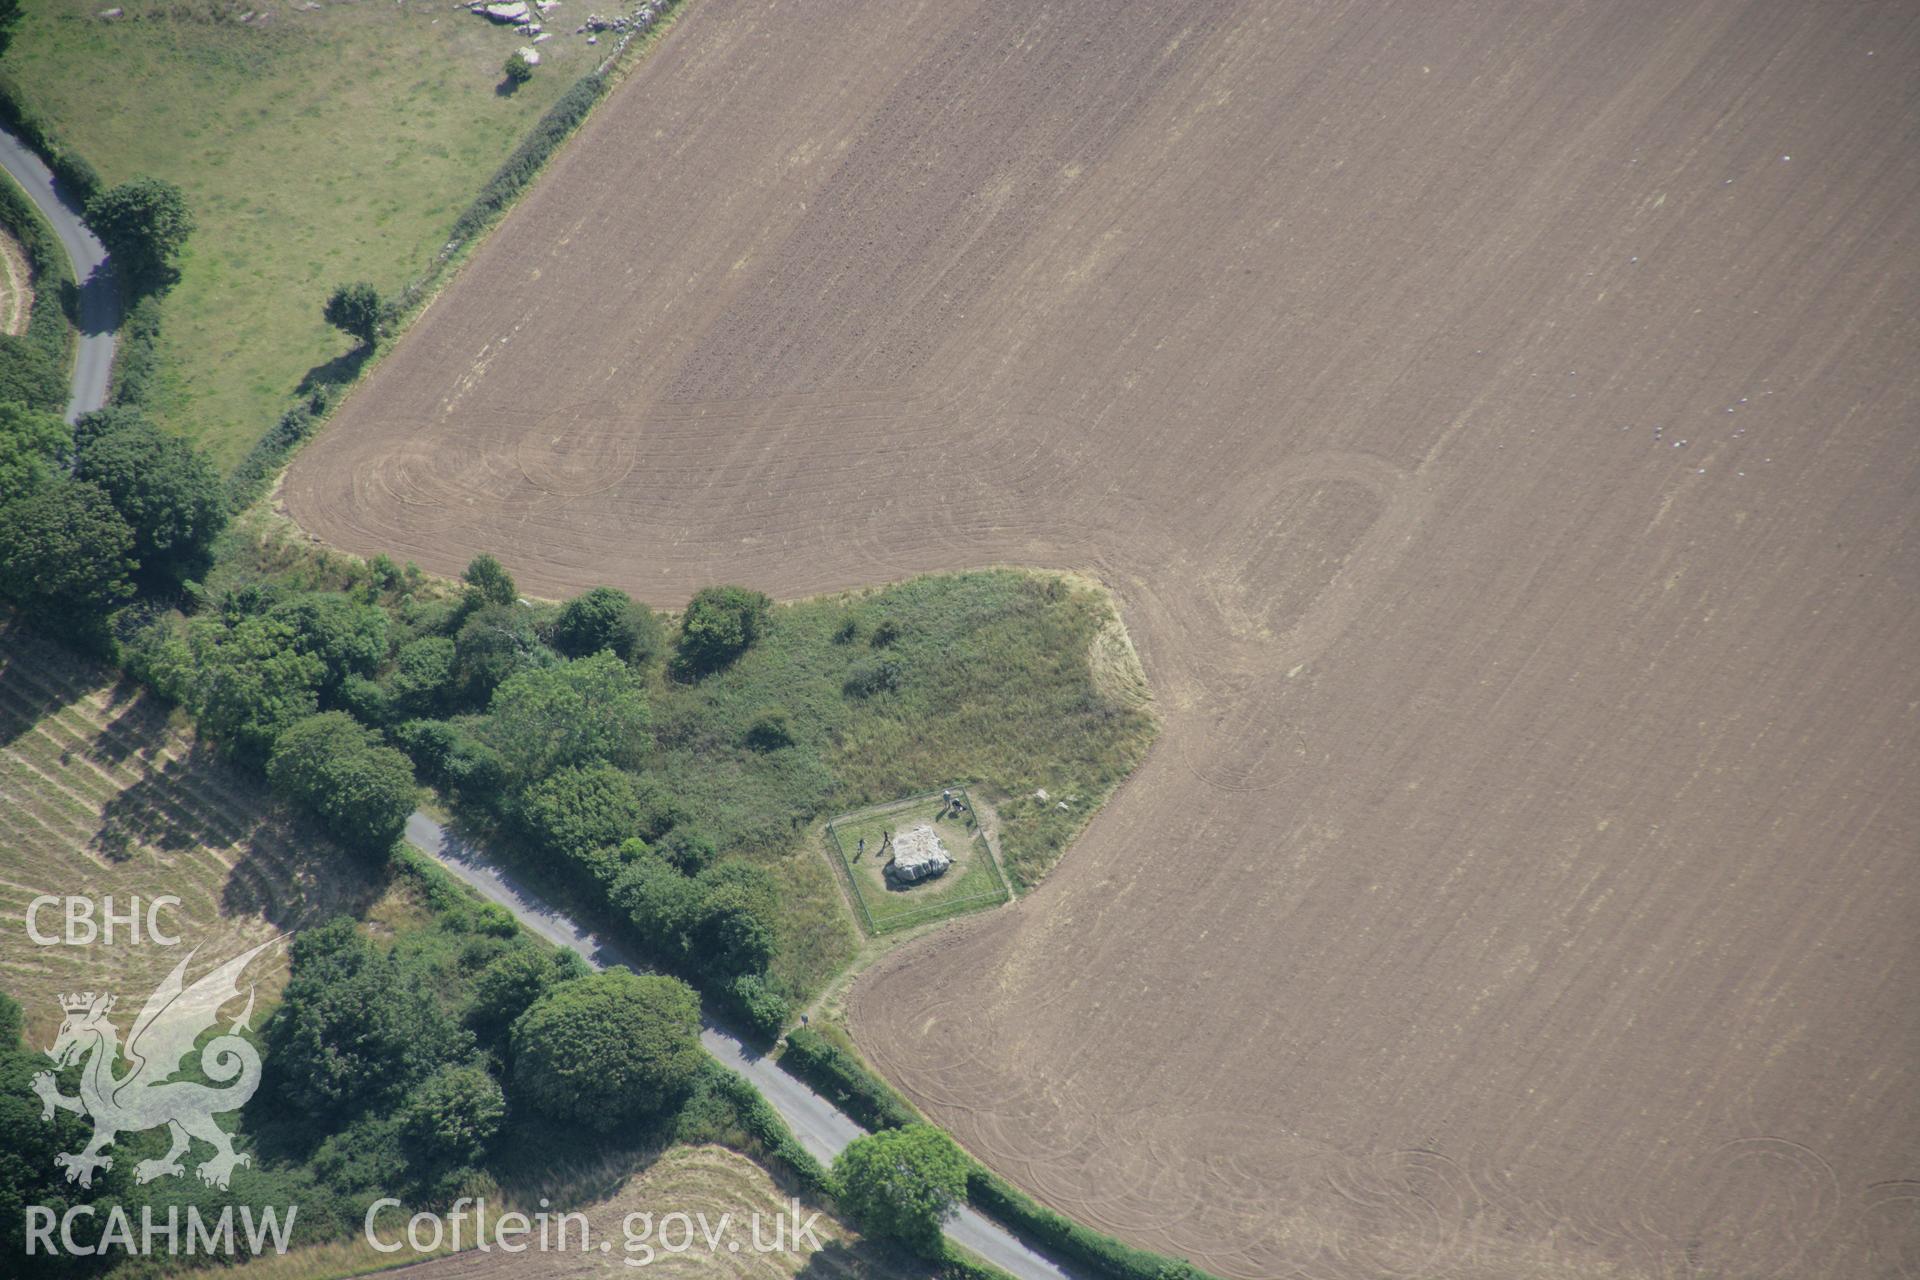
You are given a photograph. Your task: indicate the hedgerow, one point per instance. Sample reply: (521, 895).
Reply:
(136, 360)
(33, 365)
(72, 169)
(844, 1081)
(271, 451)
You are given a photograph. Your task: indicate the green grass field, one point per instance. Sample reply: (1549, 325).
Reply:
(973, 883)
(321, 146)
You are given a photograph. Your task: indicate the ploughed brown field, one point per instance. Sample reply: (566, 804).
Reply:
(1500, 423)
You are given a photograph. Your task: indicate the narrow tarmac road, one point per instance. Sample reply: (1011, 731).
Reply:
(822, 1128)
(99, 296)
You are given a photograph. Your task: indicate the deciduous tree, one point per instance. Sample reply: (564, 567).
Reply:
(66, 558)
(33, 445)
(355, 1027)
(354, 309)
(488, 580)
(605, 1050)
(164, 488)
(452, 1116)
(903, 1183)
(580, 712)
(360, 790)
(720, 624)
(143, 223)
(605, 618)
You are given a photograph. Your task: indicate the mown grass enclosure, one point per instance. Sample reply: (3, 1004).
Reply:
(857, 841)
(313, 146)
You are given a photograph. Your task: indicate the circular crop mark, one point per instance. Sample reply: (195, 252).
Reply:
(1891, 1220)
(577, 451)
(1763, 1202)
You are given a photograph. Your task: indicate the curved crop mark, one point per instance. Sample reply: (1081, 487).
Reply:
(1235, 752)
(1763, 1203)
(1891, 1220)
(576, 452)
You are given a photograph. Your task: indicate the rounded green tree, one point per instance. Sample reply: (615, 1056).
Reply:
(360, 790)
(605, 618)
(903, 1183)
(165, 489)
(452, 1115)
(143, 223)
(33, 446)
(720, 624)
(66, 557)
(606, 1050)
(489, 582)
(354, 309)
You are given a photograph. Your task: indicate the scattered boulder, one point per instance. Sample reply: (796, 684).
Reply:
(530, 54)
(110, 14)
(510, 12)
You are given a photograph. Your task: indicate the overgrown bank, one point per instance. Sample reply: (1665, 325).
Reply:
(656, 774)
(33, 365)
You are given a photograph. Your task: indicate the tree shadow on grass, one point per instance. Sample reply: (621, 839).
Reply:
(165, 810)
(30, 688)
(135, 725)
(291, 875)
(333, 374)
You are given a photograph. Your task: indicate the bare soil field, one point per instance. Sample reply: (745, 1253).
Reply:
(100, 796)
(1498, 420)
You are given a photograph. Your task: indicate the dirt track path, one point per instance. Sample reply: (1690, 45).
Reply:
(1496, 419)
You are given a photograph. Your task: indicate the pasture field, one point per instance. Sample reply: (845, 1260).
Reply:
(1496, 420)
(316, 147)
(100, 794)
(972, 883)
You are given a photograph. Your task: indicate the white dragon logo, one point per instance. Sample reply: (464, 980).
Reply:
(145, 1097)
